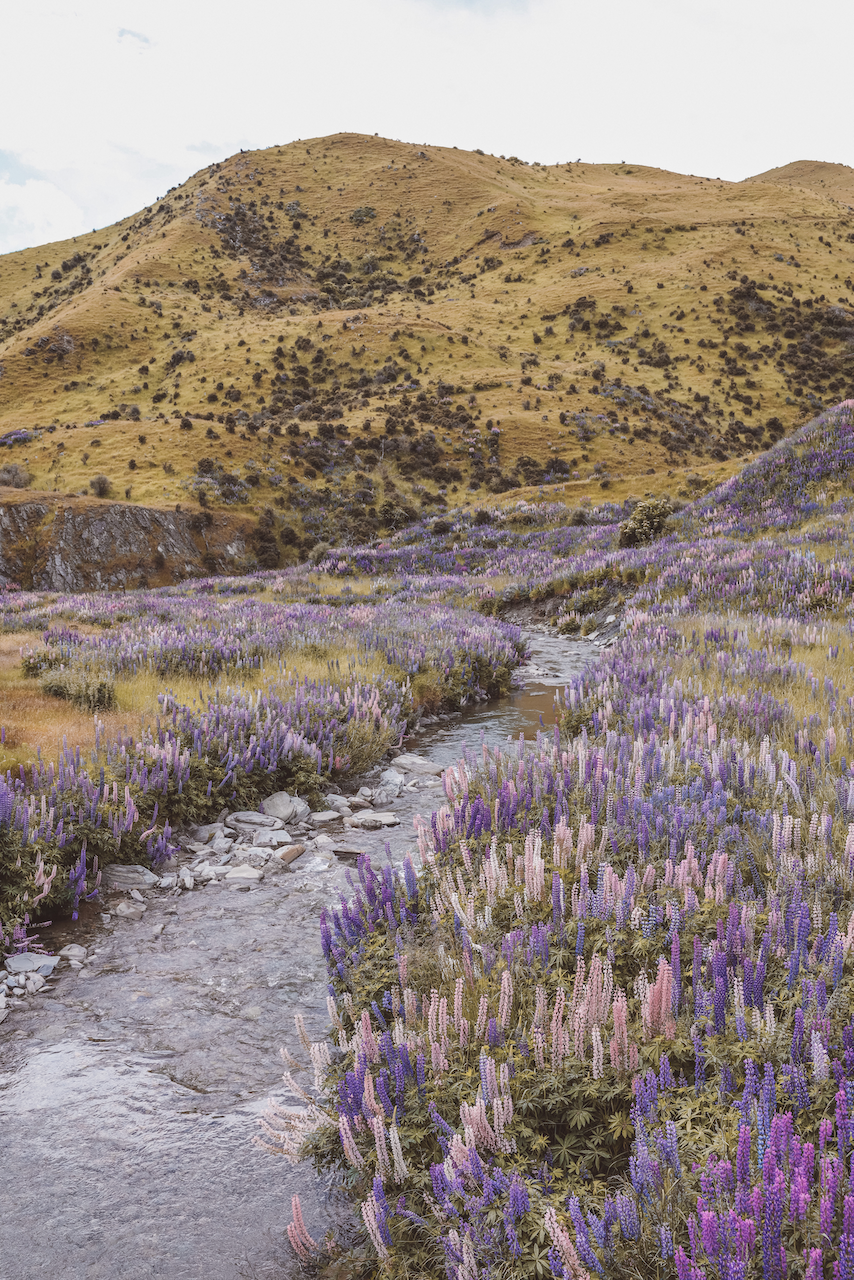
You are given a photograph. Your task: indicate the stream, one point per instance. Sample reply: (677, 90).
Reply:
(130, 1088)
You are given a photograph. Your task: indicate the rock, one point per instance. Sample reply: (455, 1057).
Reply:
(270, 839)
(204, 834)
(168, 881)
(371, 820)
(392, 780)
(326, 816)
(136, 895)
(185, 880)
(220, 845)
(287, 808)
(248, 818)
(244, 873)
(132, 876)
(157, 930)
(316, 866)
(347, 850)
(27, 962)
(130, 910)
(34, 983)
(365, 793)
(417, 764)
(287, 855)
(256, 856)
(612, 617)
(367, 821)
(382, 796)
(388, 819)
(358, 802)
(339, 803)
(4, 1013)
(72, 952)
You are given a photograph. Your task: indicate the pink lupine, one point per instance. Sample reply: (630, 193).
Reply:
(299, 1237)
(505, 1003)
(351, 1151)
(482, 1017)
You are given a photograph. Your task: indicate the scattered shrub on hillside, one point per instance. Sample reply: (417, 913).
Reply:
(646, 523)
(15, 476)
(100, 486)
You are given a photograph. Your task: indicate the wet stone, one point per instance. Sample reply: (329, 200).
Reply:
(73, 952)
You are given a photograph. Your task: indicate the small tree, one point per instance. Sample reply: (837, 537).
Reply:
(100, 486)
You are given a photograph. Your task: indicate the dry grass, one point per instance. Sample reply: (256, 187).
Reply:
(36, 722)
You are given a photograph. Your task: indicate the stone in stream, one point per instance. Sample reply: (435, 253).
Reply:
(132, 876)
(73, 952)
(417, 764)
(220, 844)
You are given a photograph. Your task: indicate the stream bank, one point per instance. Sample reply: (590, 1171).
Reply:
(130, 1087)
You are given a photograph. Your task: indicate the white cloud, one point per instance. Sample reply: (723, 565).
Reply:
(36, 212)
(727, 90)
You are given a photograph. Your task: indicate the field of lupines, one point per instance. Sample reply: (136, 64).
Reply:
(256, 726)
(605, 1026)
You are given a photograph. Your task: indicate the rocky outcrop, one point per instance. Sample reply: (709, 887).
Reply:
(53, 543)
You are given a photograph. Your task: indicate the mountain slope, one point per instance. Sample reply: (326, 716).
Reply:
(349, 330)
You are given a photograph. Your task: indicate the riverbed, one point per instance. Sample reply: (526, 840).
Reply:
(130, 1089)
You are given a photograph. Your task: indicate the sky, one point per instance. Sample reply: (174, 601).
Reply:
(109, 103)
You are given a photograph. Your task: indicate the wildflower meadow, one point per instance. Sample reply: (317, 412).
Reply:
(600, 1022)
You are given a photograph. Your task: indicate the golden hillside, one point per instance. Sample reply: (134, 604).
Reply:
(348, 331)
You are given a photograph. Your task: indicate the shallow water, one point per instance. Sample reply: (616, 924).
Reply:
(130, 1092)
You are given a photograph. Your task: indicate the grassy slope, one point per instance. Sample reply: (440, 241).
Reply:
(476, 335)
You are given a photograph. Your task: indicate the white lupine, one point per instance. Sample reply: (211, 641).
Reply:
(820, 1060)
(400, 1170)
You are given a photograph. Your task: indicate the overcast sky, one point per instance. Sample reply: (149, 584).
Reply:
(108, 103)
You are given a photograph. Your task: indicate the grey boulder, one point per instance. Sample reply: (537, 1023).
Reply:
(132, 876)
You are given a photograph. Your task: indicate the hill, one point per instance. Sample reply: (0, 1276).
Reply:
(345, 333)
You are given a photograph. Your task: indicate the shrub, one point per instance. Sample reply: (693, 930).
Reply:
(100, 486)
(646, 523)
(88, 690)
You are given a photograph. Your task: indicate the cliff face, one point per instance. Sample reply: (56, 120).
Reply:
(52, 543)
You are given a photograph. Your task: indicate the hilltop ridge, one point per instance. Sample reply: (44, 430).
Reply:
(344, 333)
